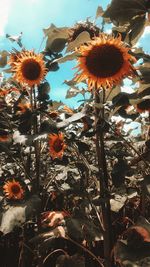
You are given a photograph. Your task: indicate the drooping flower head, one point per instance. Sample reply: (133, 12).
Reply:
(56, 145)
(104, 62)
(13, 190)
(80, 27)
(53, 114)
(29, 68)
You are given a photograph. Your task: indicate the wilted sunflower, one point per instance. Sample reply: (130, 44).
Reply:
(80, 27)
(53, 114)
(29, 67)
(56, 145)
(13, 190)
(104, 62)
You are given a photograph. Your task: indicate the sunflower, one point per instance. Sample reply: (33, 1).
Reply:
(80, 27)
(53, 114)
(104, 62)
(13, 190)
(56, 145)
(29, 67)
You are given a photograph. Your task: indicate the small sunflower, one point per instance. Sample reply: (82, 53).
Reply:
(29, 67)
(56, 145)
(53, 114)
(104, 62)
(13, 190)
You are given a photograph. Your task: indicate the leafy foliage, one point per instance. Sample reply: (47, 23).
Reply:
(93, 201)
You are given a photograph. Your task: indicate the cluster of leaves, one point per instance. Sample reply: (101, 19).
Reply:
(58, 221)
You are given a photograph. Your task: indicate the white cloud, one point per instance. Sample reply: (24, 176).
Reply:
(144, 35)
(108, 31)
(127, 89)
(146, 31)
(5, 7)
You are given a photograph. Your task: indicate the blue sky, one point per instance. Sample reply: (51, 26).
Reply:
(31, 16)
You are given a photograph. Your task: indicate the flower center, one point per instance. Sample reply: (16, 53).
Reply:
(58, 145)
(104, 61)
(31, 69)
(15, 189)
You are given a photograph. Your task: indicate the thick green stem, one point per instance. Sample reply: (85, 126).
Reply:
(103, 179)
(34, 131)
(36, 145)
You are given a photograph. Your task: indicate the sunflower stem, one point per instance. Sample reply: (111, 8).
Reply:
(36, 182)
(36, 145)
(34, 131)
(103, 179)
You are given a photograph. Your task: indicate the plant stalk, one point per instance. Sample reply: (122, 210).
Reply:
(103, 179)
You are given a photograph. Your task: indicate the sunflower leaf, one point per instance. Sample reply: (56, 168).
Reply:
(73, 118)
(121, 12)
(135, 30)
(71, 92)
(99, 12)
(75, 260)
(18, 214)
(71, 56)
(57, 38)
(3, 58)
(82, 38)
(124, 254)
(16, 38)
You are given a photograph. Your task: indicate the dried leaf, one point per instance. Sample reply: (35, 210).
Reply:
(17, 215)
(82, 38)
(117, 203)
(14, 216)
(16, 38)
(73, 118)
(123, 253)
(72, 92)
(3, 58)
(56, 105)
(121, 12)
(56, 37)
(99, 12)
(135, 30)
(71, 56)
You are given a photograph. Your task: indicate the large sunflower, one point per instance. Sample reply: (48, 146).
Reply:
(104, 62)
(56, 145)
(13, 190)
(29, 67)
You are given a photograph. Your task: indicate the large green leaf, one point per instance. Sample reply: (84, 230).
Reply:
(121, 12)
